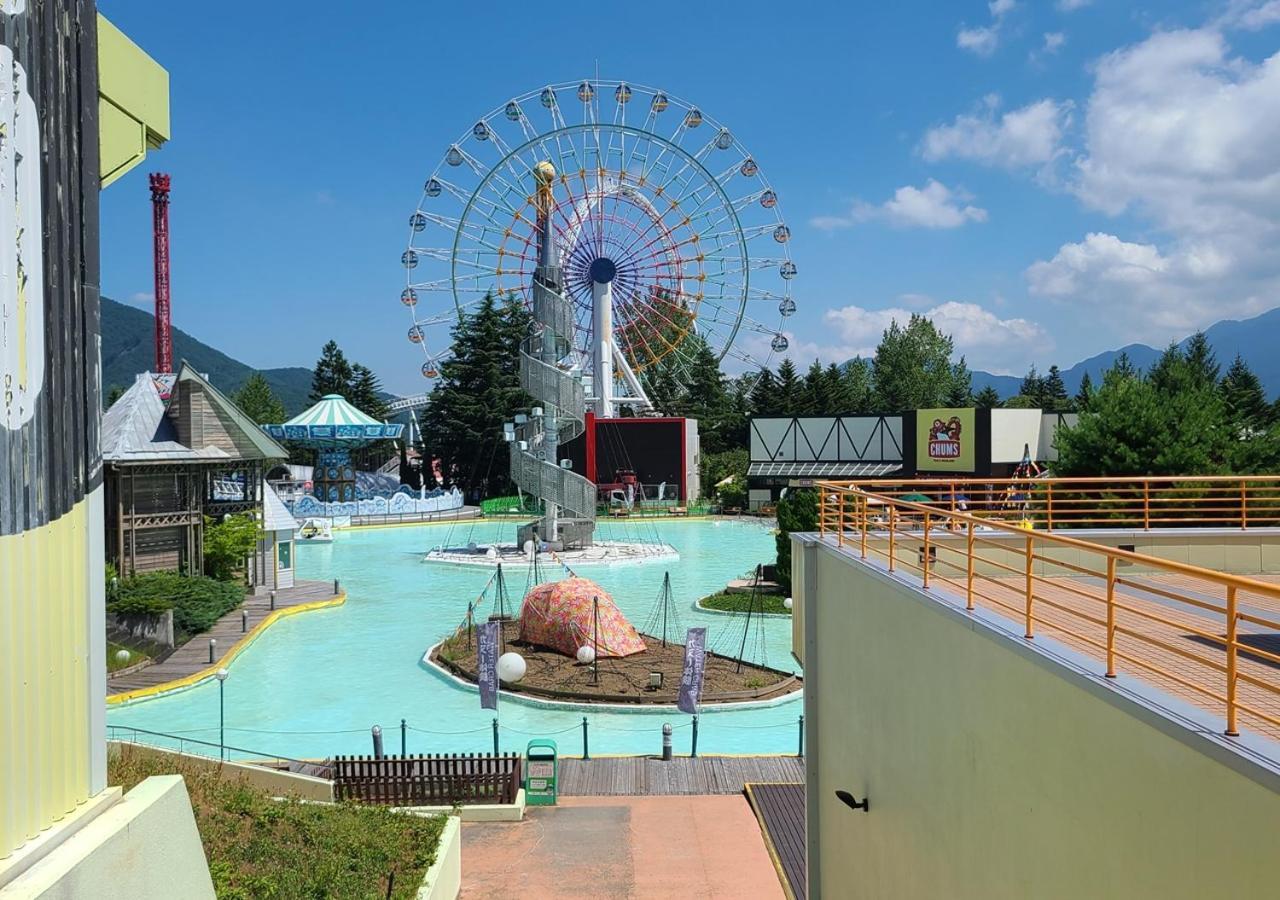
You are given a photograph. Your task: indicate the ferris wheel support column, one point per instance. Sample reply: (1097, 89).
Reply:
(602, 352)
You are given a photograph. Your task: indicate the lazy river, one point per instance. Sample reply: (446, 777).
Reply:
(312, 685)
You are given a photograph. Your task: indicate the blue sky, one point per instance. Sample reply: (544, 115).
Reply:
(1047, 179)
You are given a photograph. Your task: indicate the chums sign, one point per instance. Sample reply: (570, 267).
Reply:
(945, 440)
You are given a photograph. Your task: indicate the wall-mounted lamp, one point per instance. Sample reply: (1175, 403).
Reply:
(848, 800)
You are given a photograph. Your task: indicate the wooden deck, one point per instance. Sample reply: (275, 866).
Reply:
(780, 808)
(193, 656)
(617, 776)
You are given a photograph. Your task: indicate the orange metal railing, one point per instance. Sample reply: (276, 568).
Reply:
(1201, 634)
(1136, 502)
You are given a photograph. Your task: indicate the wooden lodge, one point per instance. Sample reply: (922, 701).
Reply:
(176, 450)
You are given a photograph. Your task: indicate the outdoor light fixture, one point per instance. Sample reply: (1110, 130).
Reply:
(521, 418)
(655, 681)
(508, 436)
(848, 800)
(536, 412)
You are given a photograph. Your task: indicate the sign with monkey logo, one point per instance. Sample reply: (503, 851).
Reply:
(944, 440)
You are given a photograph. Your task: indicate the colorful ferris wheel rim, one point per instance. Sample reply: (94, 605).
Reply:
(649, 189)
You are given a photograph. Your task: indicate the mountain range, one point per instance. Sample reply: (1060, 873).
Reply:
(128, 347)
(1250, 338)
(128, 337)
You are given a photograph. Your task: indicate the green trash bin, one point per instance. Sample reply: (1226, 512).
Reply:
(541, 768)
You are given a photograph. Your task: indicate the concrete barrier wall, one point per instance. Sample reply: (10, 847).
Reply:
(156, 629)
(993, 771)
(279, 784)
(145, 845)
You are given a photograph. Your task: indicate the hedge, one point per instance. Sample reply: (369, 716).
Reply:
(197, 602)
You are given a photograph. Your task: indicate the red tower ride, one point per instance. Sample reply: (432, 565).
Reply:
(160, 228)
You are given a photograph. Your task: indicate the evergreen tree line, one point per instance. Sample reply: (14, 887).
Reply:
(1181, 417)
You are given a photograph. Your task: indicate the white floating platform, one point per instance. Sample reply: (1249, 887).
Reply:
(599, 553)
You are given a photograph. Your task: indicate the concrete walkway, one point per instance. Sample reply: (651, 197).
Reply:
(622, 847)
(193, 656)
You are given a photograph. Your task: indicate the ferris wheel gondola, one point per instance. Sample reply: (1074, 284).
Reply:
(648, 187)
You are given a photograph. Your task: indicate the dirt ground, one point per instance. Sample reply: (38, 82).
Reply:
(627, 677)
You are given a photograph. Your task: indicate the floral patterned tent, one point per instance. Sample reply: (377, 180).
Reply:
(558, 615)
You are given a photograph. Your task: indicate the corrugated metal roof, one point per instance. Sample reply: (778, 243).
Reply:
(135, 429)
(822, 469)
(275, 515)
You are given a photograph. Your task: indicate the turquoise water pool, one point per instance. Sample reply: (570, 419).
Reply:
(312, 685)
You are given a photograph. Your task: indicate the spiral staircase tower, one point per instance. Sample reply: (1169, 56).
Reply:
(568, 499)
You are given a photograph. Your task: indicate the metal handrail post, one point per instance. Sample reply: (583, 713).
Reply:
(1111, 617)
(968, 599)
(893, 525)
(1232, 648)
(1030, 592)
(924, 563)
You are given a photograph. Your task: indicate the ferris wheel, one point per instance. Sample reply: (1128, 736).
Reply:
(650, 193)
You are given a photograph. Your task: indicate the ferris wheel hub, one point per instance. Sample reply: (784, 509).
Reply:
(603, 270)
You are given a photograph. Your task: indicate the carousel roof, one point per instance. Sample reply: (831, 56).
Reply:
(332, 420)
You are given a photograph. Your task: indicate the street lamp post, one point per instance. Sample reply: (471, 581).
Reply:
(221, 675)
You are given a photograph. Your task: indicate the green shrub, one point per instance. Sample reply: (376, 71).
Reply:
(197, 602)
(797, 511)
(228, 543)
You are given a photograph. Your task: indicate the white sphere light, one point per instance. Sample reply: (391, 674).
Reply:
(511, 667)
(586, 654)
(787, 603)
(492, 553)
(123, 656)
(528, 548)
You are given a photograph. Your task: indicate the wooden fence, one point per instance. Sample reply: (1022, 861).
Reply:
(432, 780)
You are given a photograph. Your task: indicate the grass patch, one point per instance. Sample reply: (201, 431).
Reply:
(258, 847)
(770, 603)
(115, 665)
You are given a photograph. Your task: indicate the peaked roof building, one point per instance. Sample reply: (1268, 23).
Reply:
(175, 450)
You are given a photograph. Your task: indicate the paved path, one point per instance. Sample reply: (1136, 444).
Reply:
(645, 775)
(193, 656)
(622, 847)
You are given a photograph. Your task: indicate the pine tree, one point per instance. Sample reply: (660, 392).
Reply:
(1201, 360)
(790, 388)
(960, 394)
(765, 398)
(839, 400)
(1085, 394)
(257, 401)
(365, 393)
(987, 398)
(478, 390)
(1055, 394)
(1246, 402)
(857, 385)
(1033, 388)
(333, 373)
(813, 397)
(114, 393)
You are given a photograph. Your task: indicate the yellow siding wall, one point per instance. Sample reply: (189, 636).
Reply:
(48, 668)
(133, 105)
(991, 775)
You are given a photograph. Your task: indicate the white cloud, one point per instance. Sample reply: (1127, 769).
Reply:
(1072, 5)
(1251, 15)
(1183, 135)
(142, 298)
(1029, 135)
(932, 206)
(983, 40)
(986, 340)
(1053, 41)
